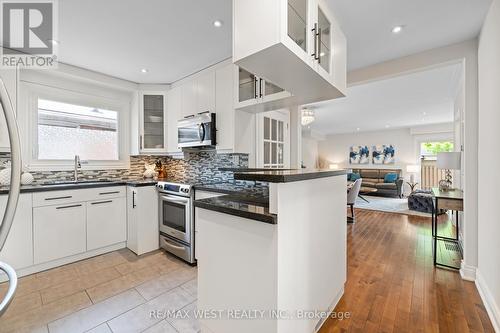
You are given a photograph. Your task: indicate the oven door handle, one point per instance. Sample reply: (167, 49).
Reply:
(174, 199)
(177, 247)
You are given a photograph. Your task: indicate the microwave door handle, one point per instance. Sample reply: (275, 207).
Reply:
(201, 132)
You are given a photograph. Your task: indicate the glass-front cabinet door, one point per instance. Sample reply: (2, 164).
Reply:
(298, 22)
(247, 86)
(153, 122)
(324, 40)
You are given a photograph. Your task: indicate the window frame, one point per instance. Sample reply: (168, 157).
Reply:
(33, 92)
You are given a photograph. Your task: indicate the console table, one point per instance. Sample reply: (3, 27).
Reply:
(449, 200)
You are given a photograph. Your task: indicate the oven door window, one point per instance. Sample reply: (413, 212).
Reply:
(174, 216)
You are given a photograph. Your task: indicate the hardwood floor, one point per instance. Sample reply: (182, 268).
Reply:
(392, 285)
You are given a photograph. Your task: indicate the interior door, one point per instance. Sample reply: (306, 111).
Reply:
(273, 139)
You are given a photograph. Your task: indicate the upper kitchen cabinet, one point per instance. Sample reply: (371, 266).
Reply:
(198, 95)
(255, 94)
(9, 78)
(297, 45)
(153, 116)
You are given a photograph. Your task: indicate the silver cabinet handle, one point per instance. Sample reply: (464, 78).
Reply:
(319, 46)
(70, 206)
(315, 36)
(59, 198)
(101, 202)
(113, 192)
(133, 199)
(12, 278)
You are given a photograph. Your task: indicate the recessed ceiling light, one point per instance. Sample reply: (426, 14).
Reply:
(54, 42)
(358, 129)
(217, 23)
(144, 70)
(425, 113)
(322, 54)
(387, 126)
(397, 29)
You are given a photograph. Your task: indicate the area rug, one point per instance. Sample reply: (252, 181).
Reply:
(392, 205)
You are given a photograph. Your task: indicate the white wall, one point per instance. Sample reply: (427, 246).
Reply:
(335, 149)
(488, 274)
(310, 153)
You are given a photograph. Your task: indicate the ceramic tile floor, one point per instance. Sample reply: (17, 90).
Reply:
(114, 292)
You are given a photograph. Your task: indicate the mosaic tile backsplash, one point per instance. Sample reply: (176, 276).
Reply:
(200, 167)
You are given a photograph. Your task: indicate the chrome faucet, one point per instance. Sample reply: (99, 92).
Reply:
(78, 165)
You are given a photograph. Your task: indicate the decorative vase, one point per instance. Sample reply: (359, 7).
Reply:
(5, 176)
(27, 178)
(150, 171)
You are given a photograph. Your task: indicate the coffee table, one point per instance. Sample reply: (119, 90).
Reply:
(365, 191)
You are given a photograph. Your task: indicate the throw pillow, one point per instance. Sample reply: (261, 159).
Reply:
(355, 176)
(390, 178)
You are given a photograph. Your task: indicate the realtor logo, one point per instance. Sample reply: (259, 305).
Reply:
(28, 33)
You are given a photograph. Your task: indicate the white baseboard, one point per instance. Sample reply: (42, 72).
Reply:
(467, 272)
(489, 302)
(64, 261)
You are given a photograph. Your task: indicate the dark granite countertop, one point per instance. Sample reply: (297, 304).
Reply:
(252, 189)
(61, 186)
(285, 176)
(240, 205)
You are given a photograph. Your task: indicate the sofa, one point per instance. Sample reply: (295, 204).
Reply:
(374, 178)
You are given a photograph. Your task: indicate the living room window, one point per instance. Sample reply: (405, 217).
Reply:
(429, 150)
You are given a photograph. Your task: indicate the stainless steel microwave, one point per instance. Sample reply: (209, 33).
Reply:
(197, 131)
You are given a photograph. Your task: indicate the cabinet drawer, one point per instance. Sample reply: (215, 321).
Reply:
(58, 231)
(108, 192)
(51, 198)
(58, 197)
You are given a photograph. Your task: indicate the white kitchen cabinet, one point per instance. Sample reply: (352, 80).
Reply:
(174, 114)
(205, 92)
(255, 94)
(106, 222)
(297, 45)
(142, 224)
(59, 231)
(198, 94)
(10, 80)
(18, 249)
(189, 102)
(153, 126)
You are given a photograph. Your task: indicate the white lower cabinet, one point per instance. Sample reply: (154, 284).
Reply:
(59, 231)
(18, 250)
(106, 222)
(142, 219)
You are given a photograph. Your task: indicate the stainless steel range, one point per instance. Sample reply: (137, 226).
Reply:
(176, 218)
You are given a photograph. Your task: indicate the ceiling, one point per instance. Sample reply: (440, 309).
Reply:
(173, 38)
(427, 24)
(170, 38)
(421, 98)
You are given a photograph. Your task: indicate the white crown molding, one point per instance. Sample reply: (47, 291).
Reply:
(488, 300)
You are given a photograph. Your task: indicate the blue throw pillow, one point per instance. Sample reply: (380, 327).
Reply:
(390, 178)
(355, 176)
